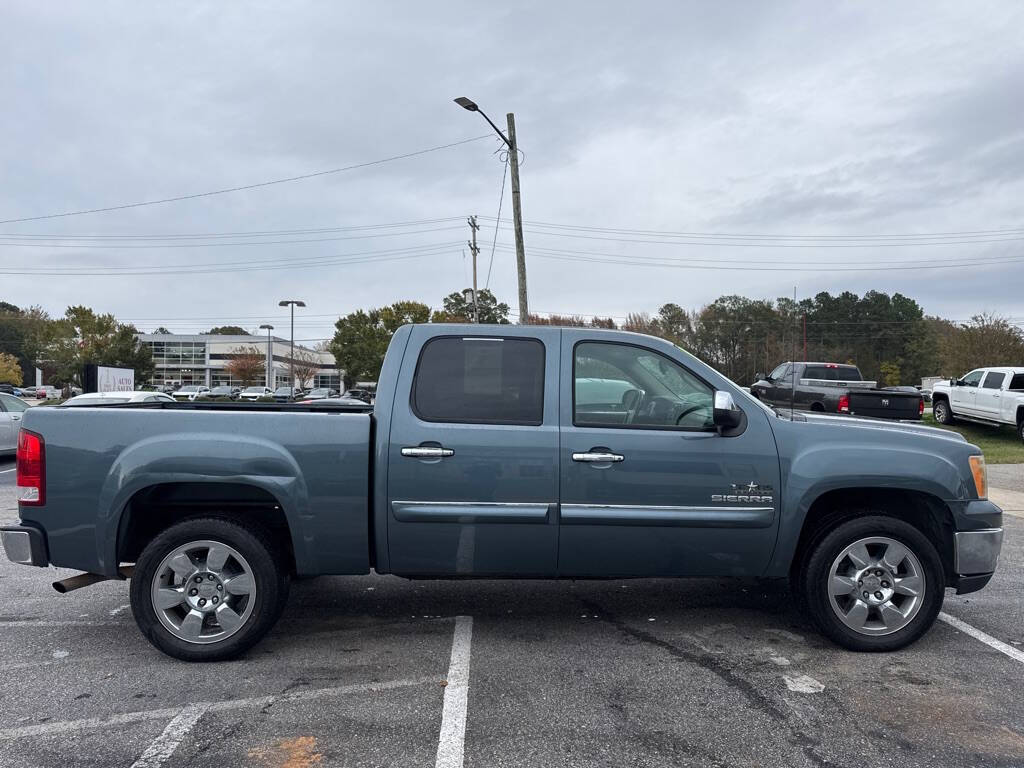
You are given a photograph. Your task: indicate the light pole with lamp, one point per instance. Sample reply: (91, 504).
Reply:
(270, 354)
(517, 211)
(291, 358)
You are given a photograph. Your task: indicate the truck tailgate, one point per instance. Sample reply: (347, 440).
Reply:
(886, 405)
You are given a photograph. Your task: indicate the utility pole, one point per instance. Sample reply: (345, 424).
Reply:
(517, 210)
(473, 226)
(517, 218)
(291, 357)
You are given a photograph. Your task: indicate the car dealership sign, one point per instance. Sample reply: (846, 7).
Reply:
(100, 378)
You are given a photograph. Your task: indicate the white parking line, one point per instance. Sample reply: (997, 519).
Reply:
(68, 726)
(163, 746)
(452, 741)
(5, 471)
(988, 640)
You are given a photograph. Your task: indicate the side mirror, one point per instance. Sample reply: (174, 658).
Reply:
(726, 415)
(761, 377)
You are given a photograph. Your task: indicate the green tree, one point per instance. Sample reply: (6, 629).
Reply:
(362, 337)
(224, 330)
(10, 370)
(458, 310)
(82, 336)
(984, 341)
(162, 330)
(22, 334)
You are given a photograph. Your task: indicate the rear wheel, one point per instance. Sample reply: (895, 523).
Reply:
(873, 583)
(942, 412)
(208, 589)
(1020, 430)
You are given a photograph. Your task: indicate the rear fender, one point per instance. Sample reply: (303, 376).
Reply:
(201, 458)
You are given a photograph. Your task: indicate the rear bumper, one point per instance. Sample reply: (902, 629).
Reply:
(24, 545)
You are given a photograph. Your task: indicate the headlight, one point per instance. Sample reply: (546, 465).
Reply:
(980, 473)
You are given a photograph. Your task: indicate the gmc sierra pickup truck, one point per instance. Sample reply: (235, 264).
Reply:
(986, 395)
(503, 451)
(834, 388)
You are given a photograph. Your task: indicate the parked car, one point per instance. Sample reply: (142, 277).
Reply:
(47, 393)
(11, 410)
(190, 392)
(287, 394)
(8, 389)
(255, 393)
(480, 435)
(21, 392)
(985, 395)
(834, 388)
(360, 394)
(116, 398)
(223, 392)
(320, 393)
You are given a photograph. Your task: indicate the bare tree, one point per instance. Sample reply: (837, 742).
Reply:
(307, 365)
(247, 365)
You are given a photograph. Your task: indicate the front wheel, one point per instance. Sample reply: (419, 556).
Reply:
(942, 412)
(208, 589)
(873, 583)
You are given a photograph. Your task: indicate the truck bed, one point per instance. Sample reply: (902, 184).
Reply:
(311, 460)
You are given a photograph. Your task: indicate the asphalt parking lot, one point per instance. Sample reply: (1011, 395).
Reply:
(373, 671)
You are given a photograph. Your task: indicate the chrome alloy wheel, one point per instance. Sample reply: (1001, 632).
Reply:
(876, 586)
(203, 592)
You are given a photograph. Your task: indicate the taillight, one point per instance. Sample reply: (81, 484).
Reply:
(920, 407)
(31, 469)
(844, 404)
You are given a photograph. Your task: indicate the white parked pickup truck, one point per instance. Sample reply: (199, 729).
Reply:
(987, 395)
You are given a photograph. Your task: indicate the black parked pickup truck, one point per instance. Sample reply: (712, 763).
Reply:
(834, 388)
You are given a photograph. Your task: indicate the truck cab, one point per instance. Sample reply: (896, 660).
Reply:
(985, 395)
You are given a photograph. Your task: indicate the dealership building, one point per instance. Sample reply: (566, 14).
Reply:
(181, 359)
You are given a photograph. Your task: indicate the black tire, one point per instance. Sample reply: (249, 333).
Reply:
(813, 581)
(1020, 430)
(269, 571)
(942, 412)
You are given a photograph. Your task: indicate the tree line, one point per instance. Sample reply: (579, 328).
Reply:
(889, 337)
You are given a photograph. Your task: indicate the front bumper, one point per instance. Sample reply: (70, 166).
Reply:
(976, 551)
(24, 545)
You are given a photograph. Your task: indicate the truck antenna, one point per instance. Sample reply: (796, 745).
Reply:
(792, 388)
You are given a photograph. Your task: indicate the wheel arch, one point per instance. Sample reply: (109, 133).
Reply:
(156, 507)
(925, 511)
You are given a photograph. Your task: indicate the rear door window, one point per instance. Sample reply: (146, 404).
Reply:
(994, 380)
(480, 380)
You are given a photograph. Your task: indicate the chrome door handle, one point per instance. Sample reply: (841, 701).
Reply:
(598, 458)
(15, 418)
(426, 452)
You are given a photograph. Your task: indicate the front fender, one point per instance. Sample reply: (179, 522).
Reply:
(200, 457)
(834, 466)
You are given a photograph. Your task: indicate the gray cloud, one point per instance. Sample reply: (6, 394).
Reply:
(795, 118)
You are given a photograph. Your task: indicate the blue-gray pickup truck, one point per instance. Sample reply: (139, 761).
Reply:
(505, 452)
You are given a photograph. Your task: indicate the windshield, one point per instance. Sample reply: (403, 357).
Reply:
(282, 390)
(190, 388)
(254, 389)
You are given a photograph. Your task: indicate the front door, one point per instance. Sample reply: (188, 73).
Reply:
(964, 395)
(649, 487)
(473, 454)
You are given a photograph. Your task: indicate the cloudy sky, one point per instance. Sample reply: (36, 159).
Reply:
(681, 151)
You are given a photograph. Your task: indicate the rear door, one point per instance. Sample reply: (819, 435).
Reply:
(988, 395)
(656, 491)
(473, 454)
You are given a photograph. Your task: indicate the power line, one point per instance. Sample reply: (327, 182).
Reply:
(669, 233)
(494, 243)
(248, 233)
(211, 193)
(78, 246)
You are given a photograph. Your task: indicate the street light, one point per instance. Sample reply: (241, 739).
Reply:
(517, 211)
(291, 359)
(270, 354)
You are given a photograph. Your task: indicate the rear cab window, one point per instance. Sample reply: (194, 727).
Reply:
(832, 372)
(480, 380)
